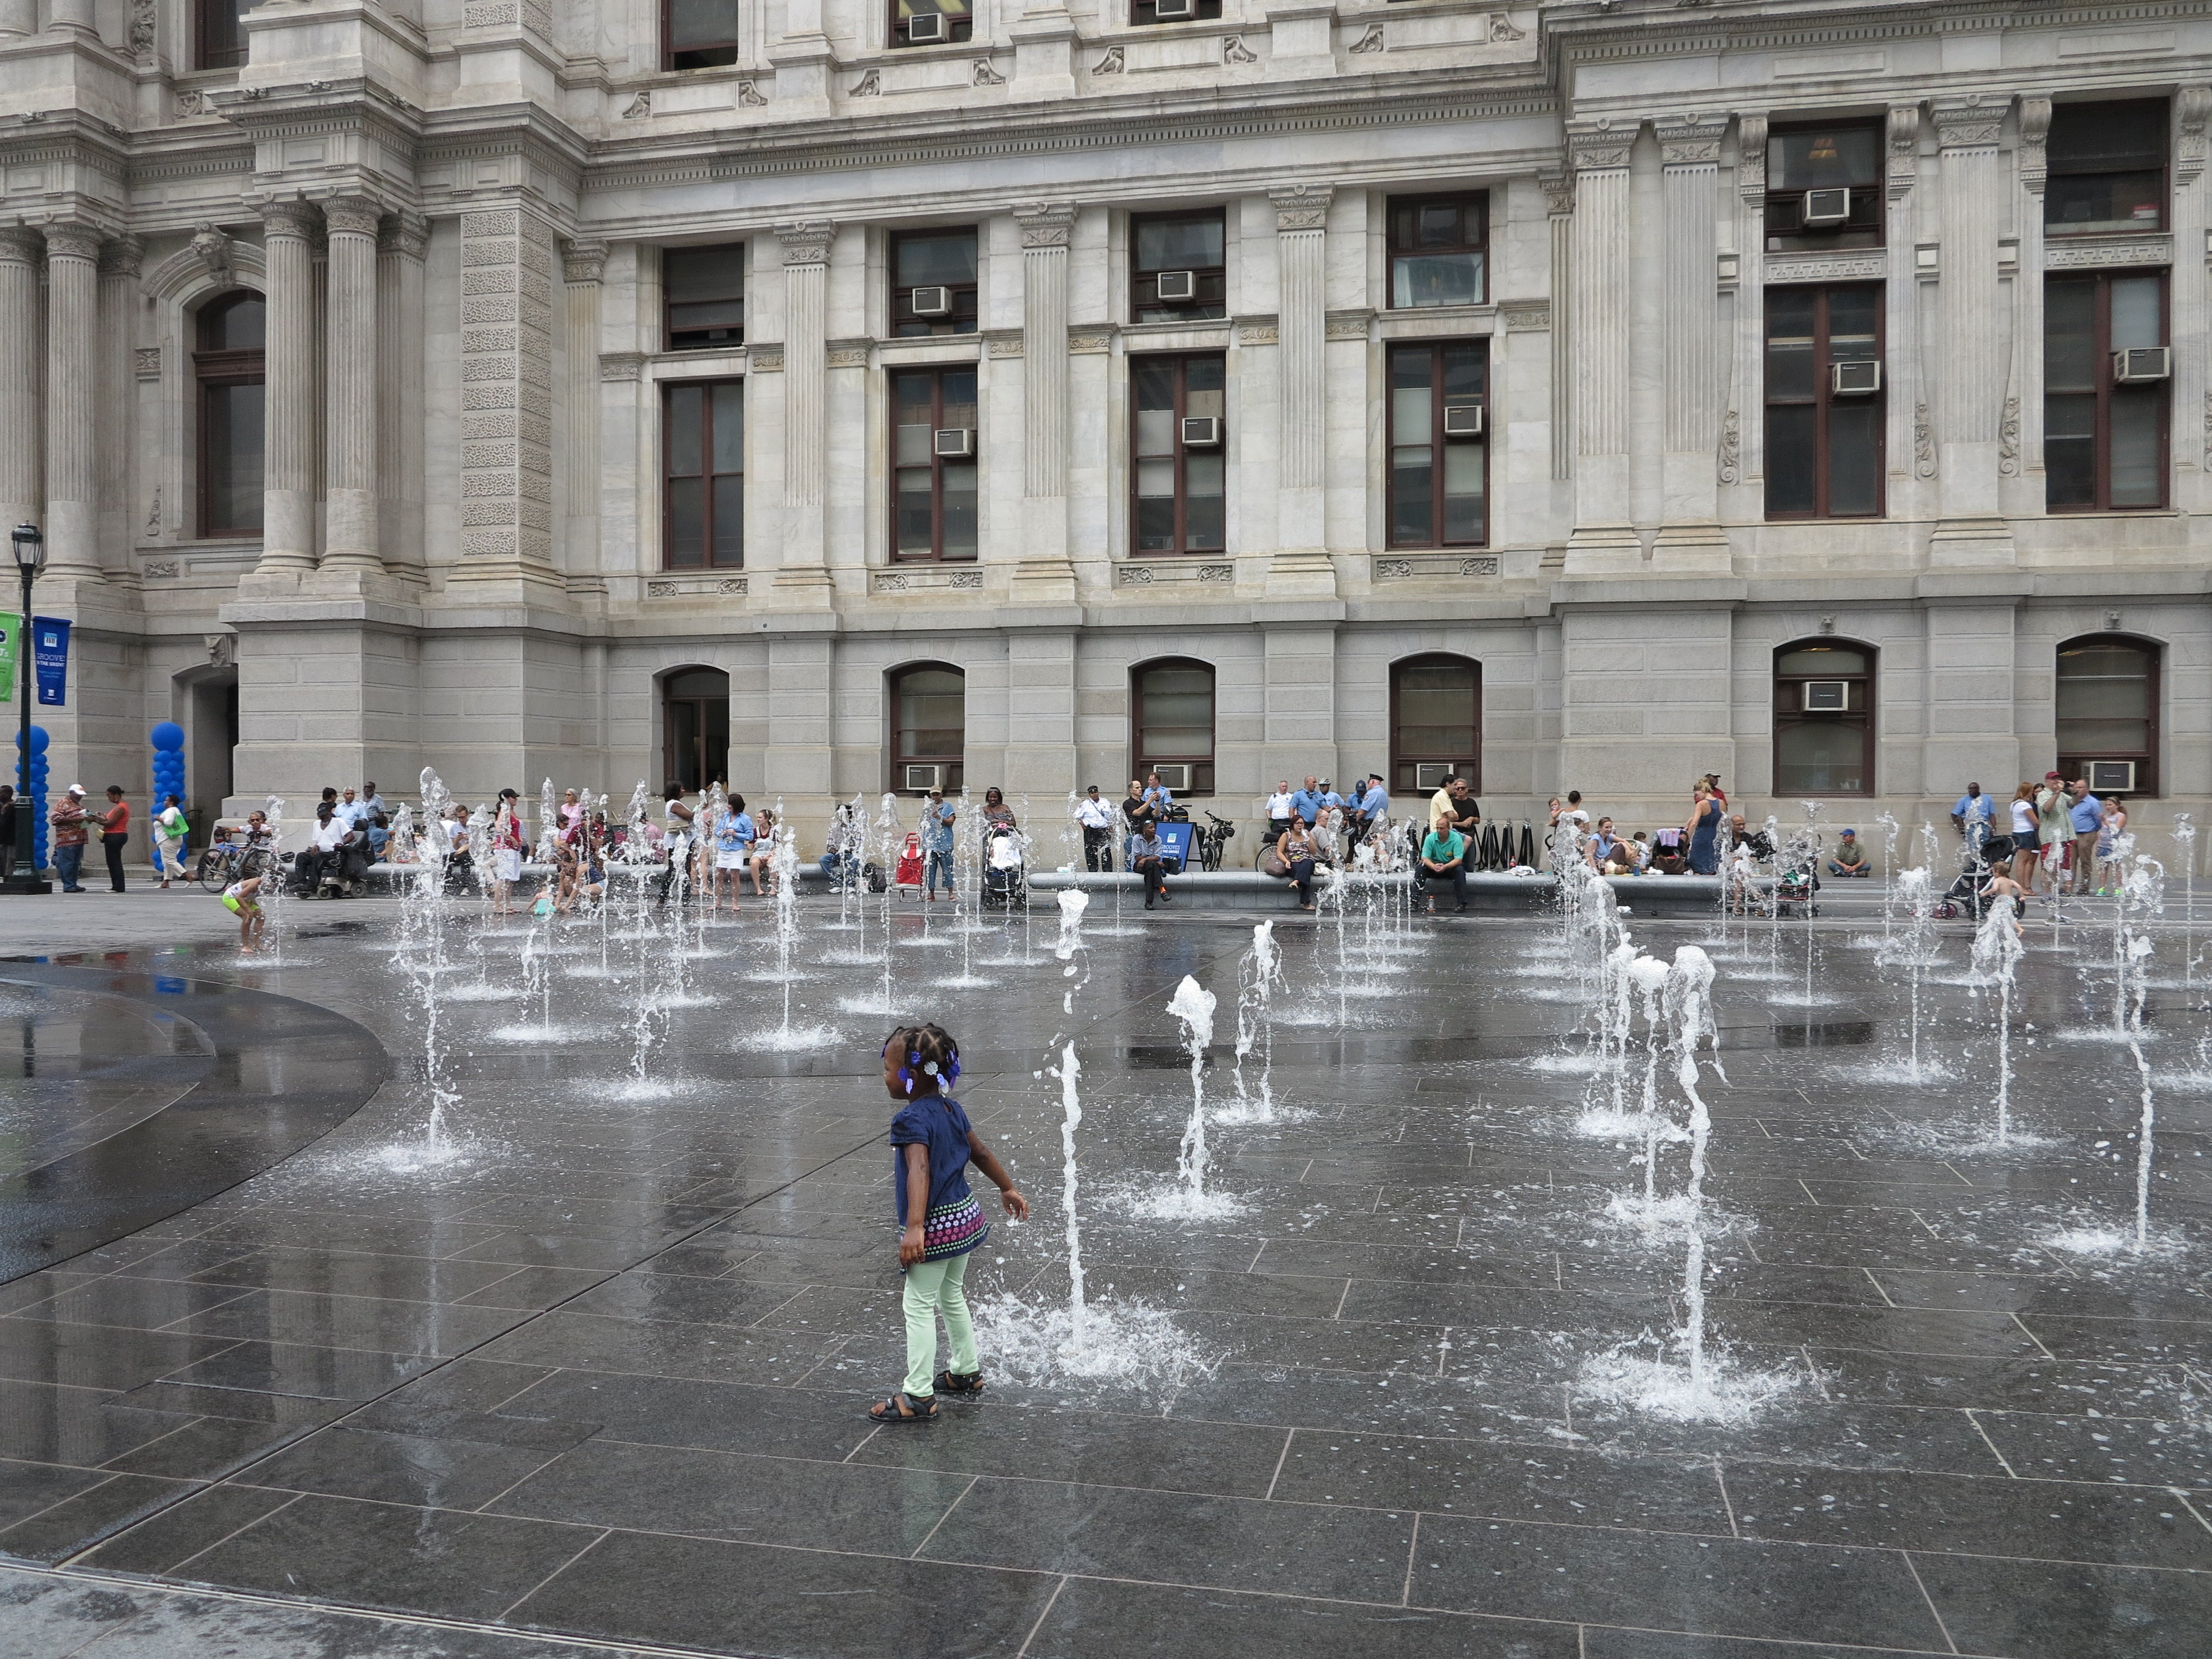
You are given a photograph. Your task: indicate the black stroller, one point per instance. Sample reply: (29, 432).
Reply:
(1006, 882)
(1797, 889)
(1964, 897)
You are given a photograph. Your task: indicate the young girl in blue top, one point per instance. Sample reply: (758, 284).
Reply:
(733, 845)
(940, 1221)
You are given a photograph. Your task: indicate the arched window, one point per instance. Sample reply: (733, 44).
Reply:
(695, 723)
(929, 727)
(1436, 722)
(1824, 719)
(2108, 714)
(228, 372)
(1172, 722)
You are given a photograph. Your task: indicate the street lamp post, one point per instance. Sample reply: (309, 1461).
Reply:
(30, 549)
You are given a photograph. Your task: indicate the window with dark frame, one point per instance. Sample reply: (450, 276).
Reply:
(704, 475)
(1179, 487)
(219, 35)
(1436, 722)
(695, 723)
(1438, 469)
(698, 33)
(1171, 717)
(1824, 187)
(952, 20)
(228, 371)
(2104, 435)
(703, 295)
(1824, 435)
(929, 725)
(2107, 169)
(2108, 712)
(1143, 13)
(933, 287)
(1188, 251)
(933, 482)
(1824, 719)
(1439, 251)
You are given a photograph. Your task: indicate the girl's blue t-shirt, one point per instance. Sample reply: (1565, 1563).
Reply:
(735, 833)
(938, 1122)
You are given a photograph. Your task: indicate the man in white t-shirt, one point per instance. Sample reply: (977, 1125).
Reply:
(1279, 809)
(1096, 815)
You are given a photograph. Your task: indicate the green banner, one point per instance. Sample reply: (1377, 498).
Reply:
(11, 624)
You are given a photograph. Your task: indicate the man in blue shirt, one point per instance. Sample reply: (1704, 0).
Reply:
(1144, 853)
(1971, 816)
(1158, 794)
(937, 818)
(1306, 802)
(2089, 816)
(1370, 808)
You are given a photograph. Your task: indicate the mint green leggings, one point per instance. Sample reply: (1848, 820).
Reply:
(932, 1286)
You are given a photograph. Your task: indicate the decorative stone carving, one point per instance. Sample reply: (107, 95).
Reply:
(1502, 28)
(639, 108)
(154, 515)
(1731, 458)
(870, 85)
(1004, 343)
(583, 261)
(1111, 64)
(1904, 133)
(660, 590)
(1826, 267)
(1526, 316)
(1134, 576)
(1346, 326)
(1393, 569)
(967, 579)
(1483, 564)
(749, 94)
(1258, 334)
(222, 649)
(1690, 141)
(1970, 125)
(987, 76)
(2112, 622)
(149, 361)
(765, 360)
(1559, 193)
(2034, 129)
(1599, 144)
(1217, 573)
(621, 365)
(1371, 41)
(2208, 431)
(507, 261)
(1827, 624)
(351, 216)
(1923, 443)
(159, 569)
(407, 235)
(212, 248)
(732, 585)
(2008, 438)
(1302, 207)
(1234, 51)
(846, 354)
(142, 28)
(806, 241)
(1046, 224)
(2103, 254)
(2192, 108)
(1751, 157)
(1090, 341)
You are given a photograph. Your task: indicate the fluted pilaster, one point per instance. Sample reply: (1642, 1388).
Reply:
(806, 394)
(287, 490)
(1602, 240)
(1046, 230)
(1560, 222)
(583, 264)
(1694, 356)
(351, 437)
(1302, 326)
(72, 398)
(21, 497)
(1977, 334)
(120, 261)
(403, 240)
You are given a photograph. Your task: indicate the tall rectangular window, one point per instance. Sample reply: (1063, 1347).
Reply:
(934, 282)
(1439, 457)
(1178, 268)
(1824, 188)
(2108, 166)
(229, 366)
(1824, 402)
(702, 292)
(220, 42)
(1439, 251)
(704, 491)
(698, 33)
(2105, 381)
(1181, 438)
(931, 22)
(933, 444)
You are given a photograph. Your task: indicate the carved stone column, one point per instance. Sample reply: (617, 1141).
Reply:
(507, 401)
(402, 243)
(287, 488)
(1559, 205)
(1604, 537)
(1743, 460)
(1976, 338)
(350, 471)
(1909, 370)
(19, 17)
(1302, 377)
(805, 575)
(1044, 574)
(119, 263)
(1694, 360)
(2192, 217)
(73, 382)
(20, 497)
(583, 264)
(72, 17)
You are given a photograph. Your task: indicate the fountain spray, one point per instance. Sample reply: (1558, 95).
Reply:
(2184, 854)
(1887, 821)
(1193, 1005)
(1258, 974)
(1998, 952)
(2142, 896)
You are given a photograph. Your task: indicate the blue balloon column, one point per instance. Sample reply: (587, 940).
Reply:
(168, 739)
(39, 829)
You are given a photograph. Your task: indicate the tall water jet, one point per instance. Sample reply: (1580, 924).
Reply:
(1071, 1119)
(1688, 997)
(2184, 854)
(1887, 822)
(2142, 897)
(1258, 973)
(1193, 1005)
(1915, 889)
(1998, 952)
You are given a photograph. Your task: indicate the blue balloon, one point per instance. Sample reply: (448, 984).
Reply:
(168, 736)
(39, 739)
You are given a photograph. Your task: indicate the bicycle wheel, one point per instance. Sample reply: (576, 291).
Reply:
(214, 873)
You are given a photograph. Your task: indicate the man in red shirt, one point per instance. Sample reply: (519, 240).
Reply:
(68, 820)
(115, 833)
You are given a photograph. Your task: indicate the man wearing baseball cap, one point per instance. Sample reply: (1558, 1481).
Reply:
(70, 835)
(2054, 829)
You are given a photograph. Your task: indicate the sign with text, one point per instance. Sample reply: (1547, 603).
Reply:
(50, 654)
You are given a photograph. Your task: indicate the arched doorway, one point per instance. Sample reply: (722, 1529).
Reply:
(694, 726)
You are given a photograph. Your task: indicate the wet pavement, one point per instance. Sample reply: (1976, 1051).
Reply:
(599, 1377)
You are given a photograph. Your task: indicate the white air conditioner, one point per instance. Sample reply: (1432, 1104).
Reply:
(1859, 380)
(1827, 696)
(2138, 364)
(928, 28)
(1826, 206)
(1178, 287)
(933, 301)
(922, 779)
(1462, 419)
(1431, 775)
(1176, 780)
(1174, 11)
(2112, 777)
(1201, 431)
(955, 443)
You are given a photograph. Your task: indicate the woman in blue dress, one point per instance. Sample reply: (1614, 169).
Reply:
(1704, 831)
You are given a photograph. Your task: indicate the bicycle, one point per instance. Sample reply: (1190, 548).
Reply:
(1211, 839)
(226, 862)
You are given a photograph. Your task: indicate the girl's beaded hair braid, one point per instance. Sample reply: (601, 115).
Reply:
(930, 1052)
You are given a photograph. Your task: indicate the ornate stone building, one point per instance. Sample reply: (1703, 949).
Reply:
(842, 394)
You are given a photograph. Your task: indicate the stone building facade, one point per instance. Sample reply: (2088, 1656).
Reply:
(1594, 393)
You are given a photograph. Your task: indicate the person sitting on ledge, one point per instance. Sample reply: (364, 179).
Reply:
(1850, 858)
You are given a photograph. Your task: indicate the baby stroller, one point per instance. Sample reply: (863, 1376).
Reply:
(1004, 882)
(1796, 890)
(1964, 897)
(906, 874)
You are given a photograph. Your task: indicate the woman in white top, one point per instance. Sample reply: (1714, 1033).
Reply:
(2023, 836)
(169, 832)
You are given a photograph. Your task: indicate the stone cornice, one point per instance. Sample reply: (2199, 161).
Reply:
(2106, 252)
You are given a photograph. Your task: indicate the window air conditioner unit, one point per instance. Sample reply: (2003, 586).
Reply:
(1174, 11)
(1827, 696)
(933, 301)
(1826, 206)
(1860, 379)
(1431, 775)
(1178, 287)
(920, 779)
(1462, 419)
(955, 443)
(2140, 363)
(2112, 777)
(926, 29)
(1201, 431)
(1173, 779)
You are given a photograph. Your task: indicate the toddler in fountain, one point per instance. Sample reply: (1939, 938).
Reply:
(2000, 886)
(940, 1221)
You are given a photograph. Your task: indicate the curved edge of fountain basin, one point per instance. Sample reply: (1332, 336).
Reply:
(1248, 889)
(218, 1132)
